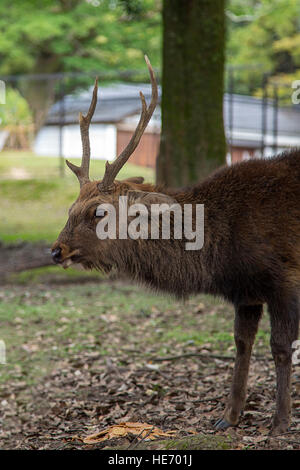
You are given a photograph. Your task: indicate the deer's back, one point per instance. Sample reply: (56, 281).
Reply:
(252, 228)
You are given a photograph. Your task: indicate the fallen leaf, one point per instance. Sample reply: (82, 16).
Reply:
(141, 430)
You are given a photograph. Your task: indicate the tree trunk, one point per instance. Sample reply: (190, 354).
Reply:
(40, 92)
(192, 142)
(17, 258)
(39, 95)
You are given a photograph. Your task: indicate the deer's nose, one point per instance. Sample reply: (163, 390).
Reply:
(56, 255)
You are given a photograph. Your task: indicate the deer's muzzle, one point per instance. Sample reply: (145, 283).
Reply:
(61, 255)
(56, 255)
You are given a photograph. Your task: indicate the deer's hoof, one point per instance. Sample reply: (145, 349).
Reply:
(280, 425)
(280, 429)
(221, 424)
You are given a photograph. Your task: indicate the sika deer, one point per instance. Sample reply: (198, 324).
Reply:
(250, 257)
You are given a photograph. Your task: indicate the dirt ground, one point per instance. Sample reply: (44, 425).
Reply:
(83, 355)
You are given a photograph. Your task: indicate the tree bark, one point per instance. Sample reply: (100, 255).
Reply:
(17, 258)
(193, 141)
(39, 95)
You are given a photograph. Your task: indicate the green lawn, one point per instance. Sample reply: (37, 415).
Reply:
(45, 319)
(34, 199)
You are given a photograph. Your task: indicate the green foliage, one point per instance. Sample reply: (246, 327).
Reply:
(15, 111)
(64, 35)
(110, 35)
(263, 34)
(16, 118)
(75, 35)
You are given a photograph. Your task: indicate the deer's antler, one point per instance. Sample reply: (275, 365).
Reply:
(112, 169)
(82, 171)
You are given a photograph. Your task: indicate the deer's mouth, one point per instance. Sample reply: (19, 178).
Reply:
(66, 263)
(85, 263)
(79, 260)
(71, 258)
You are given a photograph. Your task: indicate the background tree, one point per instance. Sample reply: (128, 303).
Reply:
(193, 141)
(73, 35)
(16, 120)
(264, 34)
(112, 35)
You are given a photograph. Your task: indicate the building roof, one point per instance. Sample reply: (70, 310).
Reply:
(115, 102)
(120, 101)
(248, 115)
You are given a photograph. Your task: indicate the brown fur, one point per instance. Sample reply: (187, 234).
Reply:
(251, 256)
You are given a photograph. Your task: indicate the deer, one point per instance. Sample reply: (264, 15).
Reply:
(250, 255)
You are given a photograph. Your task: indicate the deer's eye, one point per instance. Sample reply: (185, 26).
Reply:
(100, 212)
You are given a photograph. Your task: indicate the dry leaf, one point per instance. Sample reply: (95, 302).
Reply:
(141, 430)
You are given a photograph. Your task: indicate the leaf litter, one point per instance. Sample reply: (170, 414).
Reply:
(91, 398)
(141, 430)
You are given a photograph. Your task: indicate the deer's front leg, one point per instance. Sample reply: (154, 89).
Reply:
(245, 328)
(284, 318)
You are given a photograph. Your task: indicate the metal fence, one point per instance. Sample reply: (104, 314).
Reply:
(254, 124)
(272, 115)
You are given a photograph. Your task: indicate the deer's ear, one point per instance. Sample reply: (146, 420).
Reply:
(134, 179)
(148, 198)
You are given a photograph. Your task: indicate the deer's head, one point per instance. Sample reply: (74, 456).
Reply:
(78, 241)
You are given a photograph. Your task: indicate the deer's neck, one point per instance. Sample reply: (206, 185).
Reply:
(161, 264)
(165, 265)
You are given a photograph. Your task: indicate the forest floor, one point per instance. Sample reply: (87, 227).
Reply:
(84, 353)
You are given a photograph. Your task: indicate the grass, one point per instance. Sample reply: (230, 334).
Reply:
(17, 164)
(200, 442)
(43, 326)
(45, 319)
(34, 199)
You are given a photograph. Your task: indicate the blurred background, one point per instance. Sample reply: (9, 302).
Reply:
(226, 71)
(229, 75)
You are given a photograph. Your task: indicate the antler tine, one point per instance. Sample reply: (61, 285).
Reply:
(82, 171)
(112, 169)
